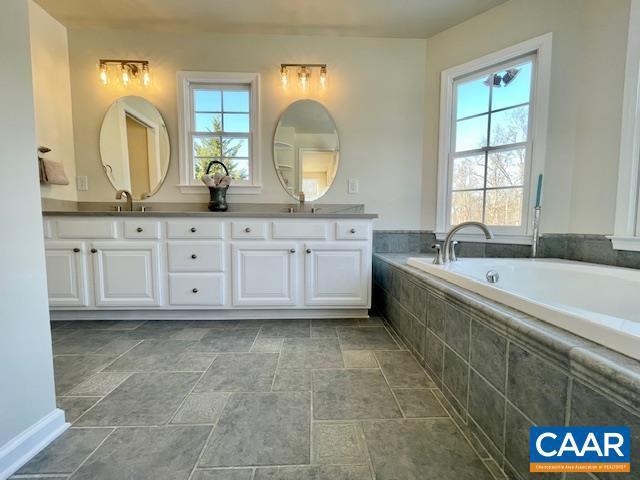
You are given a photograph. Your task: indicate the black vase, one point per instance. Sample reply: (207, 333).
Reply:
(218, 197)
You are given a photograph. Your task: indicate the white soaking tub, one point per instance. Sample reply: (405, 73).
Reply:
(596, 302)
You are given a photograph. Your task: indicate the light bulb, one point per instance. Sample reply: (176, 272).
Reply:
(104, 74)
(125, 76)
(303, 78)
(284, 76)
(323, 78)
(146, 76)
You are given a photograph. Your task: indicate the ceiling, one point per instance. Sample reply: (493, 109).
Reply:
(367, 18)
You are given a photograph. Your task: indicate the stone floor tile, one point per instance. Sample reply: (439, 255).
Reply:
(100, 384)
(311, 353)
(267, 345)
(352, 394)
(337, 444)
(401, 370)
(416, 403)
(74, 407)
(226, 341)
(261, 429)
(142, 399)
(168, 452)
(324, 331)
(324, 472)
(292, 379)
(201, 408)
(66, 452)
(223, 474)
(421, 449)
(71, 370)
(359, 359)
(366, 338)
(286, 328)
(239, 372)
(162, 355)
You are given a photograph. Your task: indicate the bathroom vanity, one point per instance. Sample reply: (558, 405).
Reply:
(247, 263)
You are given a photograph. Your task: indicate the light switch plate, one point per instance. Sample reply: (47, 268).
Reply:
(83, 183)
(353, 185)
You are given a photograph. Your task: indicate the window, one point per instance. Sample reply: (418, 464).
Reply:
(488, 123)
(219, 122)
(627, 221)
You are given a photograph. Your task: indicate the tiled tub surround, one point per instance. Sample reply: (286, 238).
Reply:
(327, 399)
(503, 371)
(569, 246)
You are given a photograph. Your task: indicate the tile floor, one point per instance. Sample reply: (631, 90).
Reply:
(247, 400)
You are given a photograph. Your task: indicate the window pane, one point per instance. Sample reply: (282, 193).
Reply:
(238, 168)
(468, 172)
(506, 168)
(513, 92)
(208, 122)
(471, 133)
(236, 122)
(235, 147)
(466, 206)
(207, 147)
(236, 101)
(510, 126)
(206, 101)
(473, 98)
(504, 207)
(200, 166)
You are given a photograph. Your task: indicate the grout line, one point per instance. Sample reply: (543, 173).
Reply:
(92, 452)
(190, 392)
(386, 380)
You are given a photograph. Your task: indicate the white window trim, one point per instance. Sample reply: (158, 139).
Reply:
(184, 81)
(541, 47)
(627, 220)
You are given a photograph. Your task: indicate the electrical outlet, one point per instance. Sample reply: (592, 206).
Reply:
(353, 185)
(82, 182)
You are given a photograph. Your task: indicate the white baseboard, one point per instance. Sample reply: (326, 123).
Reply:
(227, 314)
(19, 450)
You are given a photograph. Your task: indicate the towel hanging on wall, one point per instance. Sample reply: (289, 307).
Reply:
(51, 172)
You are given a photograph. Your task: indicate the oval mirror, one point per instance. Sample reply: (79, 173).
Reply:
(306, 149)
(134, 146)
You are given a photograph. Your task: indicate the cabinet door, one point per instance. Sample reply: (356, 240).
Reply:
(337, 274)
(264, 274)
(126, 274)
(66, 274)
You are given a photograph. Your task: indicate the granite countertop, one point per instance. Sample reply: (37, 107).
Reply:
(253, 210)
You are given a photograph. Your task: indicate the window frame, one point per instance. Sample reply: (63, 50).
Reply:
(186, 82)
(627, 216)
(539, 49)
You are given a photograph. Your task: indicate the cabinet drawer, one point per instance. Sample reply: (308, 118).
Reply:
(89, 228)
(142, 229)
(194, 229)
(196, 289)
(249, 230)
(352, 231)
(195, 256)
(297, 229)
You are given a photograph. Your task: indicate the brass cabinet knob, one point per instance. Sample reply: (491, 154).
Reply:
(195, 290)
(248, 230)
(293, 250)
(93, 250)
(308, 250)
(194, 256)
(139, 229)
(194, 229)
(353, 230)
(76, 250)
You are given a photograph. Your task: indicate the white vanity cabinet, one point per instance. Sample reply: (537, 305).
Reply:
(208, 267)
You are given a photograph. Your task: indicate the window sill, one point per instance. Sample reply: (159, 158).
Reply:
(517, 239)
(625, 243)
(233, 189)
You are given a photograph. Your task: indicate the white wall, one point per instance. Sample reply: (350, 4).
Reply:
(52, 97)
(375, 96)
(589, 44)
(26, 373)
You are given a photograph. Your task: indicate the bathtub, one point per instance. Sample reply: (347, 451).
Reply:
(596, 302)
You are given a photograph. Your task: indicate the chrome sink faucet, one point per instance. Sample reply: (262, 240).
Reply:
(449, 244)
(129, 197)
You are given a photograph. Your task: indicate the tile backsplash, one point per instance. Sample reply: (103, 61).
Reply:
(569, 246)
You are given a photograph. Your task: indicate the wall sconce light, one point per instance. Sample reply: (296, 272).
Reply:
(129, 71)
(304, 73)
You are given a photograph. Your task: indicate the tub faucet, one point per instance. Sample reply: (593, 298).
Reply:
(449, 253)
(127, 194)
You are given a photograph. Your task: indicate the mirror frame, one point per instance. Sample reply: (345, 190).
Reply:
(273, 147)
(166, 128)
